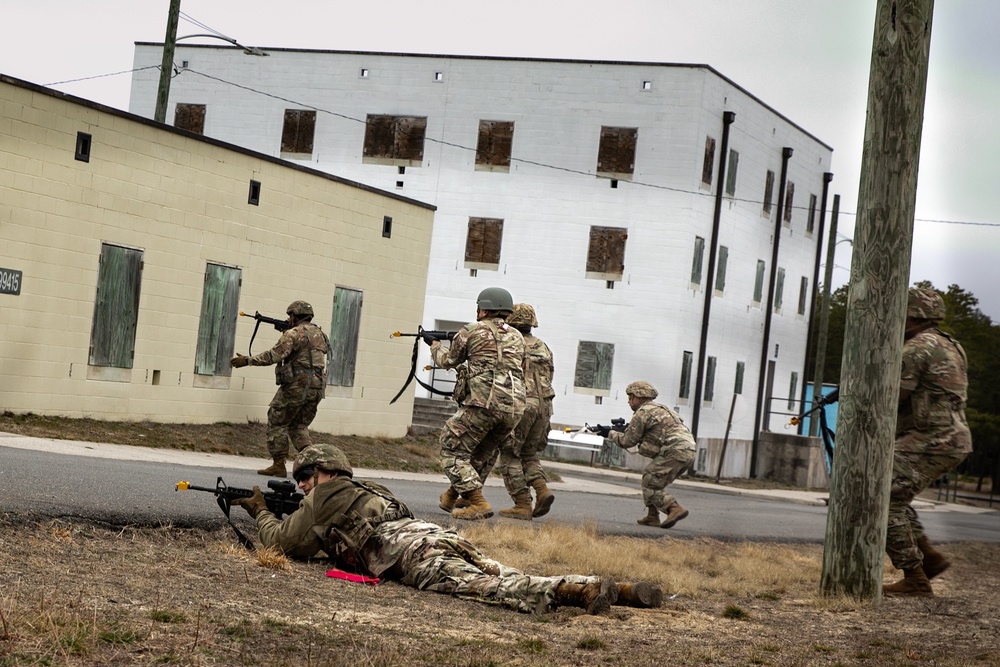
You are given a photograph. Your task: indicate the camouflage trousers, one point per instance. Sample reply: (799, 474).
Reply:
(288, 417)
(661, 471)
(473, 430)
(440, 560)
(911, 473)
(519, 463)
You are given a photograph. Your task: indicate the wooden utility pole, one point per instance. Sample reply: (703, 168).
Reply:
(876, 304)
(167, 63)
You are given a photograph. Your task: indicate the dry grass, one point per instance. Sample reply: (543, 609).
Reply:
(79, 594)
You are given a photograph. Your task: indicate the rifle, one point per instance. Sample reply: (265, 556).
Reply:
(283, 498)
(428, 337)
(828, 434)
(279, 325)
(603, 431)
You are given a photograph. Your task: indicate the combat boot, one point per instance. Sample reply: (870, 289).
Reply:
(461, 503)
(596, 598)
(276, 469)
(543, 498)
(478, 507)
(652, 518)
(448, 499)
(521, 508)
(914, 582)
(934, 561)
(674, 514)
(641, 594)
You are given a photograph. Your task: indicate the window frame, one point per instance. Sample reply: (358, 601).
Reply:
(220, 299)
(720, 270)
(758, 283)
(779, 289)
(606, 252)
(495, 145)
(707, 167)
(616, 152)
(731, 169)
(709, 393)
(190, 117)
(593, 369)
(483, 243)
(345, 334)
(687, 361)
(116, 312)
(768, 194)
(394, 139)
(298, 133)
(697, 260)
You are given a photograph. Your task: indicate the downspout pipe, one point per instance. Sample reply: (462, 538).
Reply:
(786, 155)
(720, 187)
(827, 177)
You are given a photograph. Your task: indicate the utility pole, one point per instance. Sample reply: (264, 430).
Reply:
(167, 64)
(876, 306)
(824, 315)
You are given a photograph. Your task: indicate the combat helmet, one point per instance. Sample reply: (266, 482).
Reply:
(323, 457)
(924, 304)
(495, 298)
(641, 389)
(299, 309)
(523, 316)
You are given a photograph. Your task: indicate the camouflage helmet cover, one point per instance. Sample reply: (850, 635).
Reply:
(523, 315)
(641, 389)
(495, 298)
(299, 308)
(324, 457)
(924, 304)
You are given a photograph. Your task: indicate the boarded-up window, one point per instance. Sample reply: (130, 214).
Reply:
(779, 288)
(686, 363)
(789, 203)
(496, 138)
(696, 262)
(616, 154)
(740, 369)
(720, 273)
(734, 163)
(768, 192)
(593, 365)
(344, 333)
(482, 245)
(606, 254)
(395, 140)
(793, 386)
(190, 117)
(758, 283)
(298, 132)
(116, 308)
(811, 220)
(710, 379)
(220, 299)
(803, 295)
(706, 167)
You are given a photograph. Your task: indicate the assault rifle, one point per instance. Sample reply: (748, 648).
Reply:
(603, 431)
(428, 337)
(283, 498)
(279, 325)
(827, 433)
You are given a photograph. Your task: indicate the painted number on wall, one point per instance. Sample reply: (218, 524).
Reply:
(10, 281)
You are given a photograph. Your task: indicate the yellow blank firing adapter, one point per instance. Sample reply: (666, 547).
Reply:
(794, 421)
(183, 486)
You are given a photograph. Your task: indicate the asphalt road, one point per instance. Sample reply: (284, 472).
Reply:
(125, 491)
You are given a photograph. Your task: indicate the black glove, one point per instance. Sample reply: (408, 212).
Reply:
(427, 338)
(600, 430)
(254, 505)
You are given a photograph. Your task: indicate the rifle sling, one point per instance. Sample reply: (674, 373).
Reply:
(413, 376)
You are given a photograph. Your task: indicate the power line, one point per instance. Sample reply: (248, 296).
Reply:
(101, 76)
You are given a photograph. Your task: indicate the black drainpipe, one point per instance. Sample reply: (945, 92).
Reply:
(786, 154)
(727, 119)
(827, 177)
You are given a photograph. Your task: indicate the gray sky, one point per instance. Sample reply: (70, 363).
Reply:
(809, 59)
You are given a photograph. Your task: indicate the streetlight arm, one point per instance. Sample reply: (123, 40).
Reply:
(249, 50)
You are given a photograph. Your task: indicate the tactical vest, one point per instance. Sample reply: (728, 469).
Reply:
(350, 510)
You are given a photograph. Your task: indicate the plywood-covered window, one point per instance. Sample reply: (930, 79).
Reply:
(779, 289)
(768, 193)
(734, 163)
(220, 299)
(496, 139)
(483, 242)
(709, 162)
(593, 367)
(758, 282)
(710, 379)
(789, 203)
(740, 370)
(686, 362)
(793, 387)
(606, 253)
(116, 307)
(190, 117)
(811, 220)
(720, 272)
(344, 333)
(803, 295)
(297, 133)
(395, 140)
(616, 154)
(697, 260)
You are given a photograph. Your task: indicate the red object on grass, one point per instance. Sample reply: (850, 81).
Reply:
(350, 576)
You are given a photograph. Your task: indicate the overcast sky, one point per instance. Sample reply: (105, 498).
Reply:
(809, 59)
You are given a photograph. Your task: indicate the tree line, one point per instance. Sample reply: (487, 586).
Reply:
(981, 339)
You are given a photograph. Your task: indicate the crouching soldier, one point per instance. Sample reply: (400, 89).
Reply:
(366, 529)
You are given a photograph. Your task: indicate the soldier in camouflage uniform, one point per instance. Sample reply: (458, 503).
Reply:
(519, 461)
(932, 437)
(365, 529)
(662, 436)
(494, 353)
(300, 356)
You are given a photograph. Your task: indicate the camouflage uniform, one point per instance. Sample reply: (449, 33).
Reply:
(300, 373)
(366, 529)
(519, 461)
(494, 352)
(662, 436)
(932, 436)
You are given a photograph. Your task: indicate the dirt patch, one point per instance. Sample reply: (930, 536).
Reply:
(80, 594)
